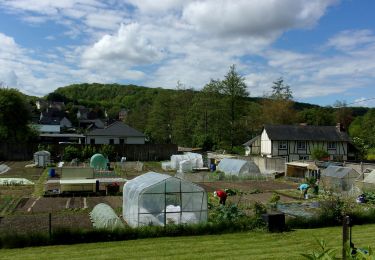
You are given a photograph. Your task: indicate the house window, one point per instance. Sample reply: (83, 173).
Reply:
(92, 141)
(331, 145)
(122, 141)
(111, 141)
(303, 157)
(301, 145)
(283, 145)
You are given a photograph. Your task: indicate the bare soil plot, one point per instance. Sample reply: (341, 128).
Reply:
(39, 222)
(18, 170)
(247, 185)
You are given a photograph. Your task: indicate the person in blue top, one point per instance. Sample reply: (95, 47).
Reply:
(304, 188)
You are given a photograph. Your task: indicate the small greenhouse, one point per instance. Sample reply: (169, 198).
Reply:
(239, 168)
(339, 178)
(160, 199)
(104, 217)
(98, 162)
(368, 182)
(42, 158)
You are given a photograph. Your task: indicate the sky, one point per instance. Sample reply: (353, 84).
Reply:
(323, 49)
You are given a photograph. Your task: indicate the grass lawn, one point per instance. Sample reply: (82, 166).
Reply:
(251, 245)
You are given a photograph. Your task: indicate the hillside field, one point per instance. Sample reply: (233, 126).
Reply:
(249, 245)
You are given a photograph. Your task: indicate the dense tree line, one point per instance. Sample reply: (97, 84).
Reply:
(221, 115)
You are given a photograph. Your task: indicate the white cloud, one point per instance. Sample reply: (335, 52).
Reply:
(266, 18)
(350, 39)
(156, 7)
(127, 48)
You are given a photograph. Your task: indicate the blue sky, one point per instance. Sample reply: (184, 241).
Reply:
(324, 49)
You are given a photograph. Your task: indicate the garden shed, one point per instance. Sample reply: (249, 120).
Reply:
(339, 178)
(104, 217)
(238, 168)
(160, 199)
(98, 162)
(42, 158)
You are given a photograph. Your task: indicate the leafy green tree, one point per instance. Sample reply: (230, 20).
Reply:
(317, 116)
(15, 116)
(159, 125)
(234, 88)
(278, 107)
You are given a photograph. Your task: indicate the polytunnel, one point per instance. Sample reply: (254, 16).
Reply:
(103, 216)
(239, 168)
(98, 162)
(160, 199)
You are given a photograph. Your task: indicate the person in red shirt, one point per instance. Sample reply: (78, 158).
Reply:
(222, 196)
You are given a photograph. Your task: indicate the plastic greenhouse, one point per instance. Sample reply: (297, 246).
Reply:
(366, 182)
(160, 199)
(339, 178)
(239, 168)
(103, 216)
(195, 160)
(42, 158)
(98, 162)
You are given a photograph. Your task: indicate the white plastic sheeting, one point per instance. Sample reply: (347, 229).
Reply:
(195, 159)
(186, 166)
(166, 166)
(15, 181)
(159, 199)
(4, 168)
(103, 216)
(239, 168)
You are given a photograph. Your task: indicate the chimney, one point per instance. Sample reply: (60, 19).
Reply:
(339, 127)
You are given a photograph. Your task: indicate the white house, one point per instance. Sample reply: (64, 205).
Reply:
(297, 142)
(116, 133)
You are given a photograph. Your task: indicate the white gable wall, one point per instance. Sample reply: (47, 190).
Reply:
(265, 144)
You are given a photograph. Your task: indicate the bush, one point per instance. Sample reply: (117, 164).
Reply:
(74, 236)
(71, 152)
(107, 151)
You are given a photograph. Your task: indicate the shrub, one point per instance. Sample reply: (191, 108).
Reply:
(70, 153)
(107, 151)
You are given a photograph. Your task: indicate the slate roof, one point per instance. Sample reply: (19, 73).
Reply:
(305, 133)
(116, 129)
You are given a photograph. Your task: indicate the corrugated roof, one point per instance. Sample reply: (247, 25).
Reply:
(118, 128)
(305, 133)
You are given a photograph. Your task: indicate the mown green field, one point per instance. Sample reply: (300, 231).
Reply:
(251, 245)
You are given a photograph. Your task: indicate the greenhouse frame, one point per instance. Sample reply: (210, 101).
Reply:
(160, 199)
(339, 178)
